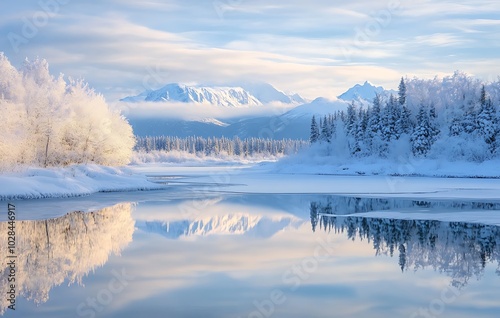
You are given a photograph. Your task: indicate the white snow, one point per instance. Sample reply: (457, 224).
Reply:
(266, 93)
(320, 106)
(320, 163)
(36, 183)
(250, 94)
(214, 121)
(367, 92)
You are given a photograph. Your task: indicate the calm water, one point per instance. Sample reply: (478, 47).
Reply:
(167, 254)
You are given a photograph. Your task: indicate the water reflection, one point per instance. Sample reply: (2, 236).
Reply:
(349, 205)
(66, 248)
(458, 249)
(223, 224)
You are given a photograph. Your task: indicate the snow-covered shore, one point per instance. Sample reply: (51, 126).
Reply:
(308, 164)
(38, 183)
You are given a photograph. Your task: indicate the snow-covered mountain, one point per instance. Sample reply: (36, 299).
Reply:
(319, 107)
(367, 91)
(266, 93)
(252, 94)
(293, 124)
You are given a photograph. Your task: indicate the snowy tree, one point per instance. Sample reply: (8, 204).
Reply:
(487, 123)
(314, 136)
(422, 136)
(402, 92)
(482, 99)
(390, 117)
(433, 125)
(54, 122)
(326, 133)
(456, 118)
(351, 119)
(456, 127)
(374, 127)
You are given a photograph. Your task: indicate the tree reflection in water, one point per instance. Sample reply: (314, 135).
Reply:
(458, 249)
(66, 248)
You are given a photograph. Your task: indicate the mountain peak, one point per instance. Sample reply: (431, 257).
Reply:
(367, 91)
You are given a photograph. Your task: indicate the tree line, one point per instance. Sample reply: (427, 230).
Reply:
(456, 117)
(215, 146)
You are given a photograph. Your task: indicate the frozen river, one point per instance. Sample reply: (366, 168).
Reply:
(237, 242)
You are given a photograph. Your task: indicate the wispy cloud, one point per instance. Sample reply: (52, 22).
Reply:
(316, 48)
(440, 39)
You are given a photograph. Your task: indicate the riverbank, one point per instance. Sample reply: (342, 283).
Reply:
(77, 180)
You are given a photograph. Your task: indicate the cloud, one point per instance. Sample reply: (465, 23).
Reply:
(440, 39)
(313, 48)
(196, 111)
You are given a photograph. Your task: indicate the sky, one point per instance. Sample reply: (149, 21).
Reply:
(314, 48)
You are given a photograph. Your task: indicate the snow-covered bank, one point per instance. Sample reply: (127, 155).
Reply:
(37, 183)
(308, 164)
(185, 158)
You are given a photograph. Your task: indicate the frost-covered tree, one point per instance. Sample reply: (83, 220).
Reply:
(64, 250)
(455, 117)
(54, 122)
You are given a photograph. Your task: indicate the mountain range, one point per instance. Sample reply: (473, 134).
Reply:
(245, 95)
(293, 124)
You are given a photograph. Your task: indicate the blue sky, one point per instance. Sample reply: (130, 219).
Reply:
(315, 47)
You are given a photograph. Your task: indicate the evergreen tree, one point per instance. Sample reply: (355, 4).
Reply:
(421, 138)
(389, 120)
(374, 122)
(351, 119)
(375, 142)
(482, 99)
(433, 125)
(404, 124)
(469, 122)
(314, 131)
(487, 123)
(325, 130)
(456, 127)
(402, 92)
